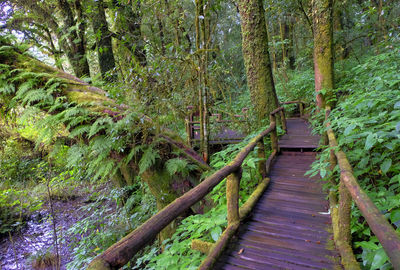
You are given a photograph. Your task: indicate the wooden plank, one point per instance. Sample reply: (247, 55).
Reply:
(290, 227)
(317, 255)
(297, 261)
(312, 257)
(288, 243)
(270, 212)
(262, 263)
(322, 237)
(300, 208)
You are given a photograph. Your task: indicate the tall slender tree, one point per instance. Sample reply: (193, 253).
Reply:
(323, 51)
(103, 35)
(256, 57)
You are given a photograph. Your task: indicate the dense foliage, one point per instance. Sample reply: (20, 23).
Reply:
(115, 137)
(367, 122)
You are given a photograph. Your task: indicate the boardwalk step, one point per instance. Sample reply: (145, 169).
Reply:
(290, 227)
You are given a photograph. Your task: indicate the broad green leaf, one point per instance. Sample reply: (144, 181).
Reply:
(398, 127)
(322, 172)
(219, 164)
(251, 163)
(379, 259)
(363, 162)
(370, 142)
(395, 179)
(367, 245)
(389, 146)
(386, 164)
(397, 105)
(395, 215)
(349, 129)
(215, 233)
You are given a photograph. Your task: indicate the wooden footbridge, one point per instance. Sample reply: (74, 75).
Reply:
(289, 225)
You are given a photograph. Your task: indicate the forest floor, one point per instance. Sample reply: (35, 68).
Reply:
(32, 247)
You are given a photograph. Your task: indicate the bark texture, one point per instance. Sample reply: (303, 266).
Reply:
(256, 57)
(105, 52)
(323, 51)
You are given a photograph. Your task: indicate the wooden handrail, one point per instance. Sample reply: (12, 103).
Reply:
(379, 225)
(292, 102)
(277, 110)
(218, 121)
(121, 252)
(301, 105)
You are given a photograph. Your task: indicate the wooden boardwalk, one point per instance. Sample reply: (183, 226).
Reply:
(290, 227)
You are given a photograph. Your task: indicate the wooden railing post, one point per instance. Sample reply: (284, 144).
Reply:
(283, 119)
(301, 106)
(261, 155)
(340, 211)
(274, 136)
(232, 196)
(188, 131)
(345, 202)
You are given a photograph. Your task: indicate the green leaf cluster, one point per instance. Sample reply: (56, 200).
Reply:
(366, 122)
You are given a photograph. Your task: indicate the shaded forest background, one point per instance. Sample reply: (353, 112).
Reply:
(112, 136)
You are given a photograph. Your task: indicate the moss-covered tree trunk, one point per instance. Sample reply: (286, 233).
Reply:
(256, 58)
(323, 51)
(102, 34)
(128, 26)
(202, 46)
(74, 43)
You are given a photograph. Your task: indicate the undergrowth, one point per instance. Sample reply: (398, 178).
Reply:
(366, 122)
(209, 226)
(109, 217)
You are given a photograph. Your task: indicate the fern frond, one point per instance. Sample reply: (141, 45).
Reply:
(37, 95)
(79, 131)
(148, 159)
(132, 153)
(100, 124)
(76, 121)
(76, 155)
(24, 88)
(177, 165)
(58, 104)
(7, 89)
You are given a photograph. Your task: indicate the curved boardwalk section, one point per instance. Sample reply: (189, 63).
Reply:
(290, 227)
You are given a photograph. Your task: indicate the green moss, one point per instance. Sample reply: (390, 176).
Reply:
(256, 58)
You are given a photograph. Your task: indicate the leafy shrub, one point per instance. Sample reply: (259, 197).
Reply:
(367, 124)
(177, 252)
(15, 206)
(113, 215)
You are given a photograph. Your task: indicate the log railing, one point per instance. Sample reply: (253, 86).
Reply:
(121, 252)
(193, 126)
(349, 190)
(301, 104)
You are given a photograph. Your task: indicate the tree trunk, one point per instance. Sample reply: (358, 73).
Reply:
(323, 51)
(284, 32)
(128, 23)
(102, 34)
(256, 58)
(202, 47)
(292, 57)
(74, 43)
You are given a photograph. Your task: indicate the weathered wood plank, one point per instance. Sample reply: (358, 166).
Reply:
(290, 227)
